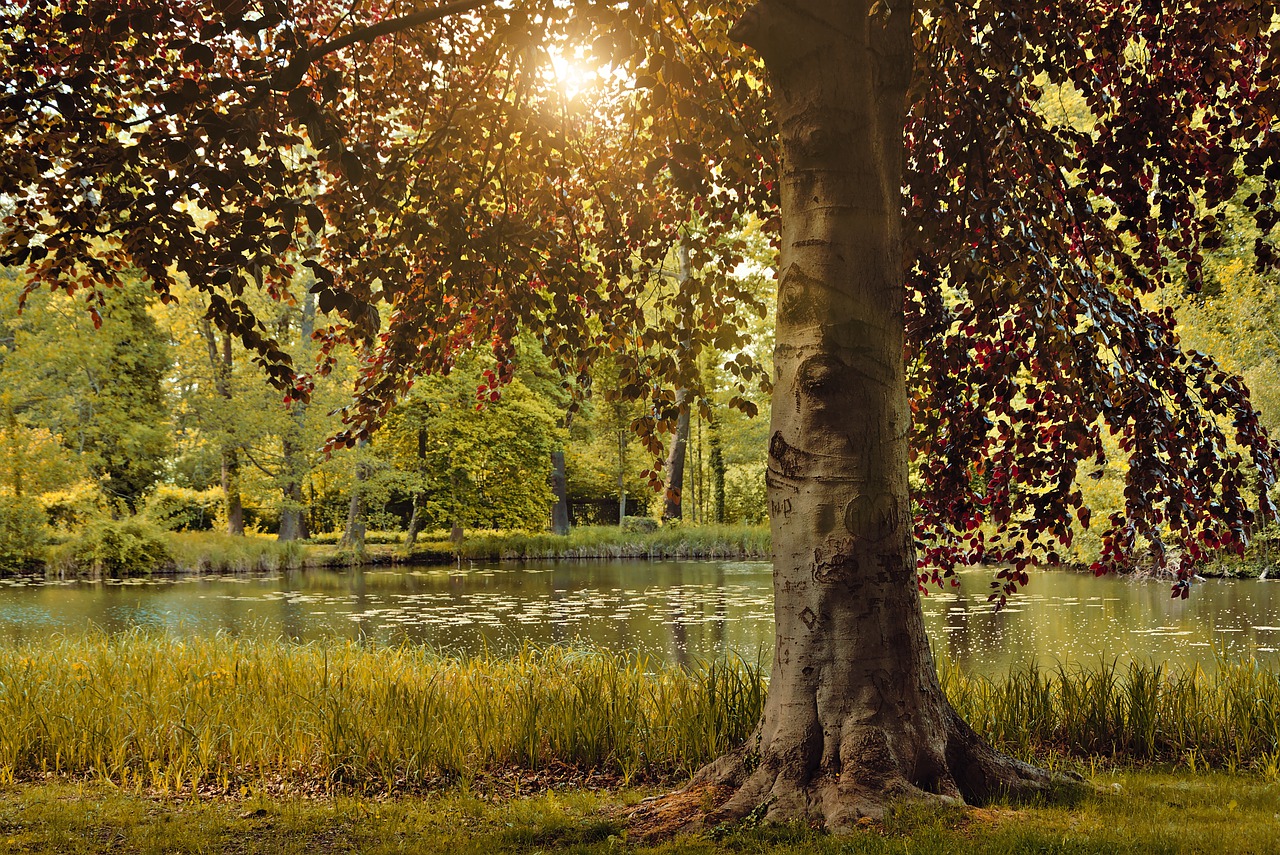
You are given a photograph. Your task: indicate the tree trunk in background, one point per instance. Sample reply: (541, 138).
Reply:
(622, 476)
(560, 490)
(293, 517)
(855, 717)
(231, 490)
(16, 455)
(221, 363)
(717, 470)
(560, 487)
(415, 521)
(673, 508)
(353, 534)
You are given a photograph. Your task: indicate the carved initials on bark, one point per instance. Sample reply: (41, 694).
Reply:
(872, 519)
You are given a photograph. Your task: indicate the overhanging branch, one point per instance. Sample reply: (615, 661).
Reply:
(395, 25)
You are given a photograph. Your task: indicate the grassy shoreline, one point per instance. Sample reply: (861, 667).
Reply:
(1128, 812)
(216, 552)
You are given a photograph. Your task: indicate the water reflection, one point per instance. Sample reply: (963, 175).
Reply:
(674, 611)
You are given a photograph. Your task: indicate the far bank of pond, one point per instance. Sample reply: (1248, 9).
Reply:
(671, 611)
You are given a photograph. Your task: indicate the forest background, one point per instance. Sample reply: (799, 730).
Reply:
(111, 438)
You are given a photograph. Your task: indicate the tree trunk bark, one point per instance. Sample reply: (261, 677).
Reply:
(560, 486)
(231, 491)
(622, 476)
(293, 520)
(221, 363)
(354, 534)
(673, 508)
(293, 516)
(717, 470)
(855, 717)
(16, 455)
(560, 490)
(415, 521)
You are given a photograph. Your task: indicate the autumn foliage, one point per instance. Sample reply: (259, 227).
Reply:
(423, 174)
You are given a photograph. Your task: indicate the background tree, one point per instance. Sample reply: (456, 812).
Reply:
(470, 465)
(101, 393)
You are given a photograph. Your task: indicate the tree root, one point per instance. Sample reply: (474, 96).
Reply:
(743, 784)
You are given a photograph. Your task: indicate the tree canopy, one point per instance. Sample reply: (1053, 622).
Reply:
(446, 193)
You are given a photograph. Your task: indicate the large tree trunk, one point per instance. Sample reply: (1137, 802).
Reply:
(855, 717)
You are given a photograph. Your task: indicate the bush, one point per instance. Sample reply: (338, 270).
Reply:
(75, 507)
(23, 532)
(114, 548)
(639, 524)
(181, 509)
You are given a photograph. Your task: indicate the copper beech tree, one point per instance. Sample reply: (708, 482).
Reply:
(966, 271)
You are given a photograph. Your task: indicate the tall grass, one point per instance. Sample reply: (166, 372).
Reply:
(153, 711)
(175, 714)
(1227, 718)
(667, 542)
(216, 552)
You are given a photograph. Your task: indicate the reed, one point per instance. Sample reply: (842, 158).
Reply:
(173, 715)
(1227, 718)
(216, 552)
(183, 715)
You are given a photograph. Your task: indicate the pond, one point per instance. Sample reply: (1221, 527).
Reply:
(670, 611)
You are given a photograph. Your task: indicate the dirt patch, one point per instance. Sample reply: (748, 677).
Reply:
(661, 817)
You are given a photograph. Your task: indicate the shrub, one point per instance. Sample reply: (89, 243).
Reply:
(115, 548)
(23, 532)
(74, 507)
(639, 524)
(181, 509)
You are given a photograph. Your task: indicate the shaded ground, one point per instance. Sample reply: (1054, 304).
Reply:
(1131, 812)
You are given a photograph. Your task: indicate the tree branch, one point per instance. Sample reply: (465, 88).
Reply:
(394, 25)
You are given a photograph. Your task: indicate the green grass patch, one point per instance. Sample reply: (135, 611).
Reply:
(1131, 812)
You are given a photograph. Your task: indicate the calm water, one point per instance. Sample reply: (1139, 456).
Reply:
(676, 611)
